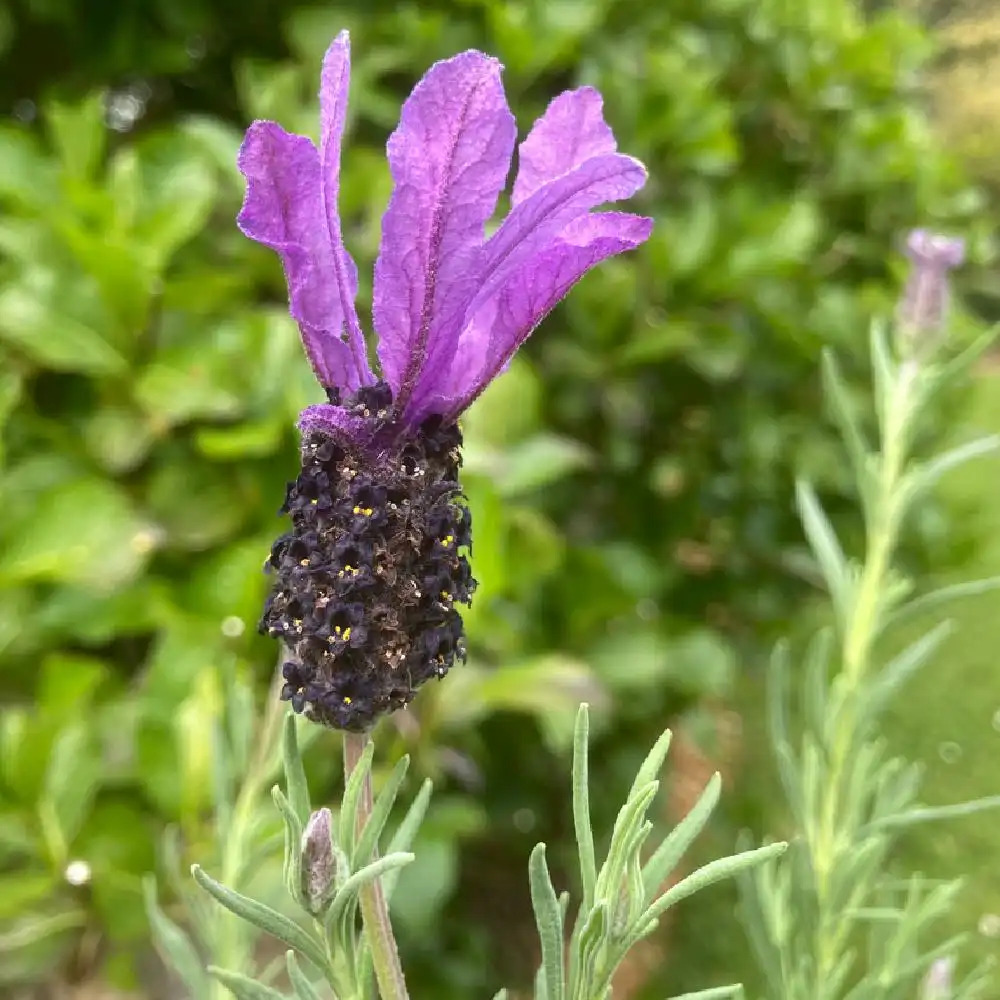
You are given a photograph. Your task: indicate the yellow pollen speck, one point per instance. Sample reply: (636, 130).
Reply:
(314, 501)
(303, 562)
(297, 622)
(337, 629)
(447, 540)
(347, 633)
(347, 700)
(446, 595)
(366, 511)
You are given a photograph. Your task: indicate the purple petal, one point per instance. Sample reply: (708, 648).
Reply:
(334, 83)
(282, 209)
(449, 159)
(571, 131)
(539, 219)
(504, 321)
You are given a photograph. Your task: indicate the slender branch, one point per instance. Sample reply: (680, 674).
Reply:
(374, 910)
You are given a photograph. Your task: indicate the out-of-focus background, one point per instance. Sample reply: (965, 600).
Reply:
(631, 477)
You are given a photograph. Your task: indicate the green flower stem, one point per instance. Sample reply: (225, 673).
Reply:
(885, 512)
(374, 910)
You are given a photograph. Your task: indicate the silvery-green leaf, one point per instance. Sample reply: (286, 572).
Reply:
(375, 869)
(304, 989)
(262, 916)
(627, 824)
(347, 836)
(931, 814)
(711, 873)
(549, 923)
(406, 832)
(824, 544)
(903, 666)
(175, 946)
(384, 801)
(243, 987)
(928, 474)
(650, 769)
(845, 416)
(671, 850)
(297, 788)
(715, 993)
(581, 807)
(952, 592)
(292, 865)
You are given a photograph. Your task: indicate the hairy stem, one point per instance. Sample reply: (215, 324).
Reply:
(374, 910)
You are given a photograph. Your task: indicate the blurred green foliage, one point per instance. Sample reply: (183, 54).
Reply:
(630, 477)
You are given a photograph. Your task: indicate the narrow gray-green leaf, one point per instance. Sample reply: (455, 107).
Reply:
(174, 945)
(823, 542)
(369, 873)
(928, 474)
(584, 947)
(262, 916)
(243, 987)
(883, 371)
(652, 766)
(931, 814)
(352, 799)
(714, 993)
(386, 799)
(295, 775)
(304, 989)
(581, 807)
(406, 832)
(627, 824)
(671, 850)
(844, 413)
(547, 918)
(292, 863)
(943, 595)
(891, 678)
(714, 871)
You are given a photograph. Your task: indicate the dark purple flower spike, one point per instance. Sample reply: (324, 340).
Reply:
(368, 578)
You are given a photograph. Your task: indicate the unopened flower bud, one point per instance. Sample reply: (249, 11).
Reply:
(319, 862)
(937, 984)
(921, 311)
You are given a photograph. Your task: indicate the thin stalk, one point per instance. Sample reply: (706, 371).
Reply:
(860, 630)
(374, 910)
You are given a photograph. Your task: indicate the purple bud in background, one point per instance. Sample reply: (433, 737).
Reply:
(937, 984)
(924, 303)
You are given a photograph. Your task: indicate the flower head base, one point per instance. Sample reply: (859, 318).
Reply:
(376, 560)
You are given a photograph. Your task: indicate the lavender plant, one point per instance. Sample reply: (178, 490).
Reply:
(832, 920)
(368, 578)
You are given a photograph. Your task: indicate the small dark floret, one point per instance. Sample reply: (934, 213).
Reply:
(369, 576)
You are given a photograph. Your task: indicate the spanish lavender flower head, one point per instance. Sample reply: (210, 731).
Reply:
(368, 578)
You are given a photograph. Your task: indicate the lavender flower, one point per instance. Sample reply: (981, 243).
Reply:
(370, 574)
(922, 309)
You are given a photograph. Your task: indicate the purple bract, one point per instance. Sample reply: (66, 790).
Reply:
(450, 306)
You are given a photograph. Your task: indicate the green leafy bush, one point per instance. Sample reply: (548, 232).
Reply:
(630, 478)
